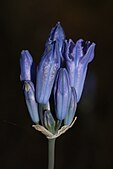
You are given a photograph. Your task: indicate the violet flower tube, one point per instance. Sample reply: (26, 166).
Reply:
(53, 88)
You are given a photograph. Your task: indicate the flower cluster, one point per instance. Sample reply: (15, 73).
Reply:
(53, 89)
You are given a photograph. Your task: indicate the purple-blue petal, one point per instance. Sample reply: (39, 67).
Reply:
(81, 70)
(78, 51)
(57, 33)
(80, 75)
(70, 60)
(69, 46)
(88, 57)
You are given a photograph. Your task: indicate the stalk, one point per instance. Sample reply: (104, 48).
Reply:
(51, 153)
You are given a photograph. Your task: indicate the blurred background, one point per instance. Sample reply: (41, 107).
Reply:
(25, 24)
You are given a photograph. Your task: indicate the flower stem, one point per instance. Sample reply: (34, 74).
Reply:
(51, 153)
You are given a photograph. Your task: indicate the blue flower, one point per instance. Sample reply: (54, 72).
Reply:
(62, 93)
(57, 82)
(77, 57)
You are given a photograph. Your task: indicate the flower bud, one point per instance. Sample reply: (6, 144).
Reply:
(26, 63)
(49, 121)
(62, 92)
(46, 73)
(30, 101)
(72, 108)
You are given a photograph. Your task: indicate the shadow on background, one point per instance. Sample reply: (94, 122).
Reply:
(25, 24)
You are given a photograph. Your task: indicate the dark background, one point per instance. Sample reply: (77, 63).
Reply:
(25, 24)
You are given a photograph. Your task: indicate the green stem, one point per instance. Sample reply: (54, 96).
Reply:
(51, 153)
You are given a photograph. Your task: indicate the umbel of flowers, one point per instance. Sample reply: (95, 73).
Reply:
(53, 88)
